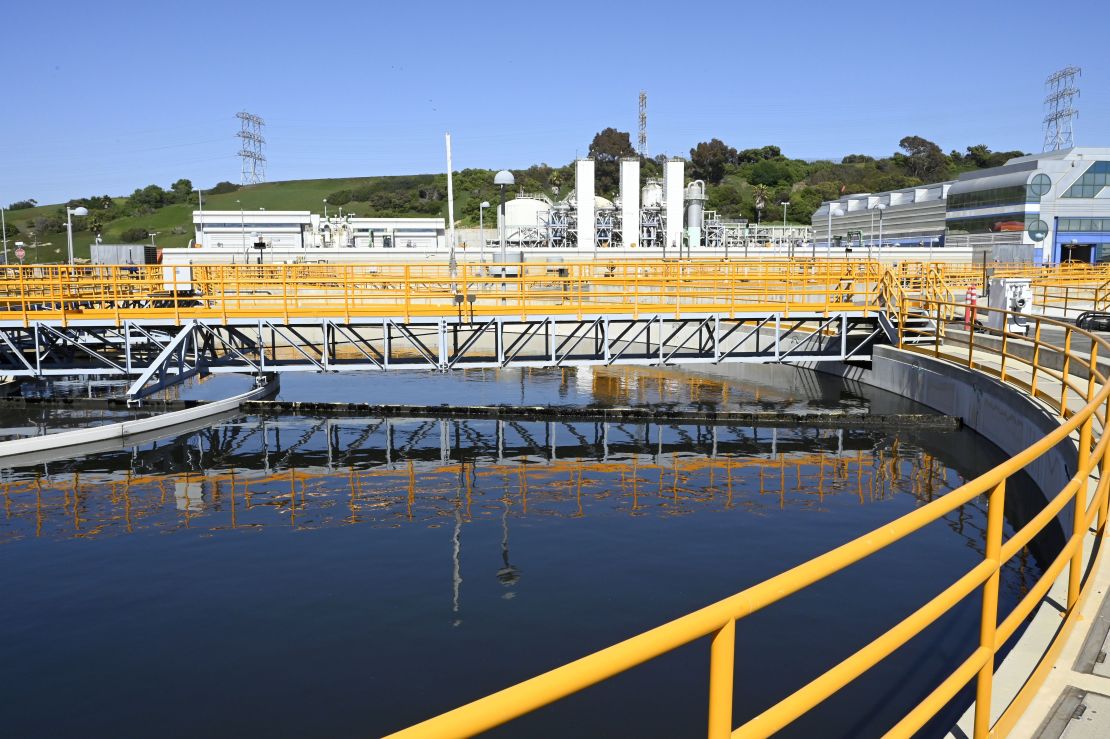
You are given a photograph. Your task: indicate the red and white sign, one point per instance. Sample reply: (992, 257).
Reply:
(20, 253)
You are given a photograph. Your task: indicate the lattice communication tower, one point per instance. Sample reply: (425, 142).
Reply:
(254, 161)
(1059, 109)
(641, 140)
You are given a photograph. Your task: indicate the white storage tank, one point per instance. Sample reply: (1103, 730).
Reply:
(524, 211)
(652, 194)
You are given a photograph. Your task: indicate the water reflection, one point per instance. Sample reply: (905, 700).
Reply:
(320, 472)
(313, 473)
(433, 552)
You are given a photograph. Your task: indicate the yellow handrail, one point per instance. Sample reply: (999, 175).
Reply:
(719, 619)
(411, 290)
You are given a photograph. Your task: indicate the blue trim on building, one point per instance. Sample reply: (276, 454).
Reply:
(1083, 238)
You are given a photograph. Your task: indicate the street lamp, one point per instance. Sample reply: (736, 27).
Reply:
(880, 207)
(833, 211)
(80, 211)
(243, 227)
(503, 179)
(482, 229)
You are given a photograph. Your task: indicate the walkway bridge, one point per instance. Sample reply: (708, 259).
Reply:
(161, 325)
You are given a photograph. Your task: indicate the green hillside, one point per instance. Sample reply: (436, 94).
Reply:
(172, 222)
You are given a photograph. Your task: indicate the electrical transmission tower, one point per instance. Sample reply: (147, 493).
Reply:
(641, 140)
(1059, 111)
(254, 161)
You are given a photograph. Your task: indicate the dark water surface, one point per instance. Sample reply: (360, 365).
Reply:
(297, 576)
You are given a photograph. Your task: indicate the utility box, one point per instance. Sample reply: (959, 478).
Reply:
(1012, 294)
(120, 254)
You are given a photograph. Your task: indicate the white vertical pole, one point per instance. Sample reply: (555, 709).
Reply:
(450, 200)
(69, 233)
(880, 249)
(4, 230)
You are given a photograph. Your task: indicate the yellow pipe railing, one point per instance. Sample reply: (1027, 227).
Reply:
(719, 619)
(413, 290)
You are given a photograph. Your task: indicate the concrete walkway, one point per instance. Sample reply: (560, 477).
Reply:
(1074, 700)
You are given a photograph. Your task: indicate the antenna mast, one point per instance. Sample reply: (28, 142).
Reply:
(254, 161)
(1059, 111)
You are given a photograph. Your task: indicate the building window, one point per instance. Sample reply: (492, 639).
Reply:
(1004, 223)
(1091, 182)
(1040, 185)
(1014, 195)
(1083, 224)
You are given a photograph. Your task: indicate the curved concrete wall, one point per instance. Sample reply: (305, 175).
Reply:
(1004, 415)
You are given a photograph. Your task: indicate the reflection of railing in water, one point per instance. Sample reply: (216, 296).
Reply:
(93, 504)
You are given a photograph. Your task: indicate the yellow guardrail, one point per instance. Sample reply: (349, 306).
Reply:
(1082, 402)
(285, 291)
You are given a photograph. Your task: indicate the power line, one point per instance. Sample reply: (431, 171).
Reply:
(1059, 110)
(254, 161)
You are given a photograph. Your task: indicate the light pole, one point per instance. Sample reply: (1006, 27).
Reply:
(880, 207)
(503, 179)
(482, 229)
(4, 230)
(242, 227)
(833, 211)
(785, 204)
(325, 209)
(79, 211)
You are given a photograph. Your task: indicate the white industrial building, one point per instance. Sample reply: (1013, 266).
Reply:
(233, 235)
(1049, 207)
(650, 219)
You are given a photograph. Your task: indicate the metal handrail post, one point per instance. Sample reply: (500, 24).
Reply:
(1065, 374)
(1075, 567)
(722, 657)
(988, 622)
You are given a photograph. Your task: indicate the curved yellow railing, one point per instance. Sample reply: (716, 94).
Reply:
(1079, 394)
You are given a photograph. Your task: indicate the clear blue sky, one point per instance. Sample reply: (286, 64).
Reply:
(104, 98)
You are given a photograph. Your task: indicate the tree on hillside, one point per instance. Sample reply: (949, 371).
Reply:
(147, 199)
(751, 156)
(181, 190)
(134, 235)
(607, 149)
(708, 160)
(771, 172)
(23, 204)
(923, 159)
(222, 187)
(980, 156)
(762, 194)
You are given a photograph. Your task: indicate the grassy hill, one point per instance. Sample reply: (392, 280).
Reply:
(173, 223)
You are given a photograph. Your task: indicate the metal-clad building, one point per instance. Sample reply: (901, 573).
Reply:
(1055, 204)
(913, 216)
(238, 229)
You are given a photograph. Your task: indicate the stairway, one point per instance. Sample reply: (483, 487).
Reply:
(919, 328)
